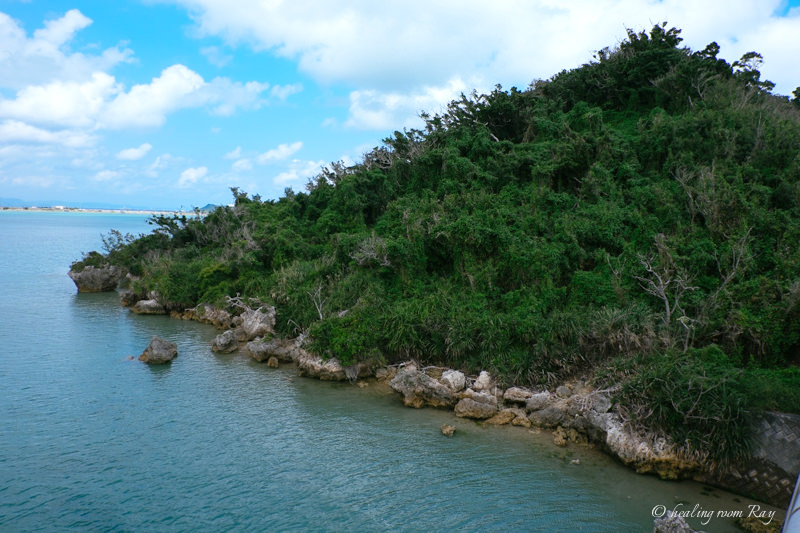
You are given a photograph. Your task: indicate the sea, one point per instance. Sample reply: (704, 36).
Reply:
(91, 439)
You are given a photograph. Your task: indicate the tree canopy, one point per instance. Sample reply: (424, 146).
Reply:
(634, 221)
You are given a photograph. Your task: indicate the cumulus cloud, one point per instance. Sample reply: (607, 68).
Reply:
(283, 151)
(134, 154)
(190, 176)
(44, 57)
(102, 103)
(378, 110)
(299, 171)
(148, 104)
(394, 46)
(14, 131)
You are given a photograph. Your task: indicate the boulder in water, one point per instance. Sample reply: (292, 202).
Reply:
(225, 342)
(159, 352)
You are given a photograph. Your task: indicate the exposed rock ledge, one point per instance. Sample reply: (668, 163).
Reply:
(97, 279)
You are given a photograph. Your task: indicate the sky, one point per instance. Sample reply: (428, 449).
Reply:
(167, 104)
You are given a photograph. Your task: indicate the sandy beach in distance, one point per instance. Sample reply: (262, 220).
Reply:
(64, 209)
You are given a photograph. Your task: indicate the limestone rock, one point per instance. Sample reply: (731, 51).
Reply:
(517, 395)
(284, 350)
(538, 401)
(482, 397)
(559, 437)
(148, 307)
(258, 322)
(647, 453)
(455, 380)
(547, 417)
(484, 382)
(261, 349)
(97, 279)
(671, 522)
(469, 408)
(563, 391)
(419, 389)
(521, 420)
(386, 373)
(159, 352)
(601, 403)
(314, 366)
(225, 342)
(272, 362)
(128, 297)
(210, 314)
(502, 417)
(448, 430)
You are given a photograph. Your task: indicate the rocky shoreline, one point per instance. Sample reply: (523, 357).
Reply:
(575, 412)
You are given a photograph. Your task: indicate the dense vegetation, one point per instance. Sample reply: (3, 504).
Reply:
(635, 220)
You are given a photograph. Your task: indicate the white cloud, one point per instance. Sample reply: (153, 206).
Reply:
(14, 131)
(234, 154)
(102, 103)
(106, 175)
(404, 46)
(161, 162)
(242, 164)
(148, 104)
(282, 92)
(225, 96)
(377, 110)
(42, 58)
(60, 103)
(283, 151)
(134, 154)
(215, 56)
(190, 176)
(298, 171)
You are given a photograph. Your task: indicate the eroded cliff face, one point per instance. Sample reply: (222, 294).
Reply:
(97, 279)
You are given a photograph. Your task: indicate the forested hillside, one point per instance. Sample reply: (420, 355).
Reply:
(635, 221)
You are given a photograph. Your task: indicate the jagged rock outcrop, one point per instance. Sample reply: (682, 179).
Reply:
(257, 322)
(549, 417)
(283, 350)
(419, 389)
(97, 279)
(210, 314)
(484, 382)
(448, 430)
(537, 401)
(517, 395)
(455, 380)
(148, 307)
(159, 352)
(313, 366)
(225, 342)
(469, 408)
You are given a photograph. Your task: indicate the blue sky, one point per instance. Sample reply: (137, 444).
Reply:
(168, 104)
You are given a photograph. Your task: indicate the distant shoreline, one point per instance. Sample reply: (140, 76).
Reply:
(121, 211)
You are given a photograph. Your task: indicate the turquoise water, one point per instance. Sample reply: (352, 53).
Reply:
(93, 441)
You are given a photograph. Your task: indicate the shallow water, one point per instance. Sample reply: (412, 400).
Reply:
(90, 440)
